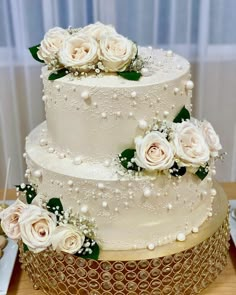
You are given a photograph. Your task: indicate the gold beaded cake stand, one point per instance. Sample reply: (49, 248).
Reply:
(179, 268)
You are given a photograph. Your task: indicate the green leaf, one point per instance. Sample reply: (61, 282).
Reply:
(183, 115)
(177, 170)
(202, 172)
(95, 251)
(54, 205)
(33, 50)
(58, 74)
(126, 160)
(25, 248)
(134, 76)
(27, 190)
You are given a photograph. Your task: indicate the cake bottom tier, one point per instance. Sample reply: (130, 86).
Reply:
(176, 268)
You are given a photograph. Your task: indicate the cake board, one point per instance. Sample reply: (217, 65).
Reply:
(182, 268)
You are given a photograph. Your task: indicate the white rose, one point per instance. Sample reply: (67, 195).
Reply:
(154, 152)
(67, 238)
(190, 145)
(10, 219)
(116, 52)
(37, 226)
(51, 43)
(79, 51)
(98, 30)
(211, 138)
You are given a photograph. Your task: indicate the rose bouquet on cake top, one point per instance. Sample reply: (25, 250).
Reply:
(94, 48)
(174, 147)
(42, 224)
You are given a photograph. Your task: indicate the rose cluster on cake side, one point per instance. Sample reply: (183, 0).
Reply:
(41, 224)
(174, 147)
(96, 47)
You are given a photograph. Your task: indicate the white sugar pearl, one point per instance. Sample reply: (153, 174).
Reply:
(145, 72)
(62, 156)
(189, 85)
(147, 192)
(169, 206)
(166, 113)
(70, 182)
(213, 192)
(107, 163)
(169, 53)
(37, 173)
(179, 67)
(27, 171)
(101, 186)
(176, 90)
(76, 189)
(24, 155)
(44, 98)
(181, 237)
(85, 95)
(104, 204)
(116, 209)
(133, 94)
(77, 161)
(58, 87)
(131, 114)
(210, 214)
(142, 124)
(51, 150)
(84, 209)
(43, 142)
(104, 115)
(195, 229)
(151, 246)
(118, 114)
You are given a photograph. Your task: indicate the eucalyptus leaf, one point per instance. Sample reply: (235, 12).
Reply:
(134, 76)
(58, 74)
(183, 115)
(126, 160)
(34, 50)
(54, 205)
(27, 190)
(202, 172)
(176, 170)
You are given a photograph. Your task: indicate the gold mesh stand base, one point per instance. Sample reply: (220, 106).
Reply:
(189, 269)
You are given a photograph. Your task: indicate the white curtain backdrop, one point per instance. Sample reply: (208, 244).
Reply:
(202, 31)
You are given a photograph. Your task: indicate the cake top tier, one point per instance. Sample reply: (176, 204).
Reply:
(98, 50)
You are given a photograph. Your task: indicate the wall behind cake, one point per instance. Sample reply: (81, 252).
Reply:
(202, 31)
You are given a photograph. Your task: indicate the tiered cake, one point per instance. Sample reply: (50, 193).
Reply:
(120, 148)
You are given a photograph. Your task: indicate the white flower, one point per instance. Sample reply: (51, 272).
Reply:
(79, 51)
(37, 226)
(98, 30)
(211, 138)
(154, 152)
(116, 52)
(190, 145)
(10, 219)
(51, 43)
(67, 238)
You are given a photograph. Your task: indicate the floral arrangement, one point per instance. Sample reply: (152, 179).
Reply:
(96, 47)
(41, 224)
(175, 147)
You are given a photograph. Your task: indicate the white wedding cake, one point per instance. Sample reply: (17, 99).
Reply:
(119, 146)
